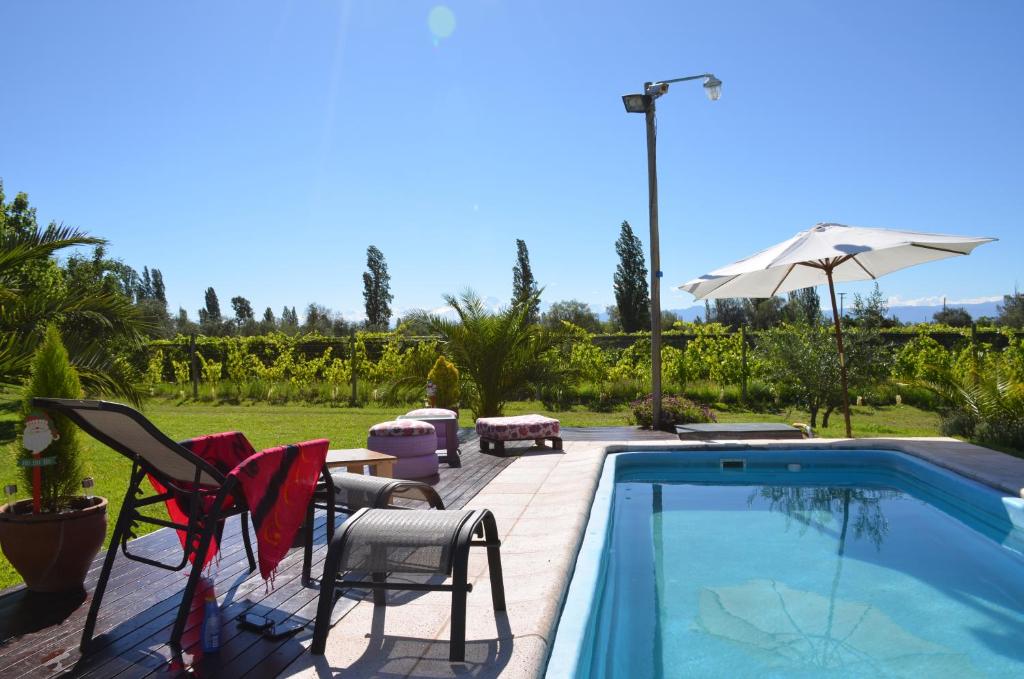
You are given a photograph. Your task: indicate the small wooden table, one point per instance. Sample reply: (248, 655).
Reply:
(353, 460)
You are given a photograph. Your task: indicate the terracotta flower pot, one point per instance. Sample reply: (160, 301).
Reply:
(53, 551)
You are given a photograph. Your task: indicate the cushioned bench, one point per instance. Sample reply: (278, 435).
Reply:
(497, 430)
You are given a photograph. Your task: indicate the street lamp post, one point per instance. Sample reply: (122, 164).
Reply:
(644, 103)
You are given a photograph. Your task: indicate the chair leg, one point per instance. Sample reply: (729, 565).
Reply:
(101, 584)
(307, 547)
(205, 538)
(494, 561)
(379, 595)
(247, 542)
(326, 602)
(460, 576)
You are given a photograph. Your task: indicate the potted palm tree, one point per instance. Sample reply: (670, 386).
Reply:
(52, 538)
(499, 355)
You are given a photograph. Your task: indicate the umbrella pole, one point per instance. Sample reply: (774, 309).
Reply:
(842, 354)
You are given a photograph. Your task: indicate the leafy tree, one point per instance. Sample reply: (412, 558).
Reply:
(318, 320)
(1011, 311)
(669, 318)
(802, 360)
(245, 317)
(958, 317)
(159, 292)
(377, 290)
(573, 311)
(614, 321)
(871, 312)
(632, 296)
(289, 321)
(243, 309)
(99, 325)
(269, 322)
(499, 354)
(729, 312)
(803, 306)
(183, 325)
(524, 287)
(210, 320)
(761, 314)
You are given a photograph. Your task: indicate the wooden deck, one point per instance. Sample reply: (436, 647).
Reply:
(39, 635)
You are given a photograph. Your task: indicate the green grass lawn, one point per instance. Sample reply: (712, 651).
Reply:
(268, 425)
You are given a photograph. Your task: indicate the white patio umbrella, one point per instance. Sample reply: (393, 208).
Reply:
(827, 253)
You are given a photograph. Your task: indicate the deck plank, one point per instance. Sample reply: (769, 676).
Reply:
(141, 601)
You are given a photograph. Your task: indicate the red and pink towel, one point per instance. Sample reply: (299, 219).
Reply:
(276, 485)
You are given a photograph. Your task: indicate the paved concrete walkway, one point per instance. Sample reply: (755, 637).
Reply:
(542, 503)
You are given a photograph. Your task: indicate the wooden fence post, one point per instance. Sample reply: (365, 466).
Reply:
(743, 364)
(974, 352)
(194, 358)
(355, 377)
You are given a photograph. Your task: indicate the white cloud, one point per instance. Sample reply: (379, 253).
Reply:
(936, 300)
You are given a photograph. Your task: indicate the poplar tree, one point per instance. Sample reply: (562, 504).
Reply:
(524, 286)
(377, 290)
(632, 295)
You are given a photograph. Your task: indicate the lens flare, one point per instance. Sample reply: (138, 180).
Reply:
(441, 22)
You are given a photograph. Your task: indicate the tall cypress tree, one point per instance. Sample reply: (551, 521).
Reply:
(377, 290)
(159, 291)
(523, 284)
(632, 295)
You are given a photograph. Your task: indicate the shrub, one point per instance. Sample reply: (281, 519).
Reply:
(445, 377)
(674, 410)
(53, 376)
(986, 406)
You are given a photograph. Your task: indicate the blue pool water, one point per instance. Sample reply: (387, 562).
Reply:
(854, 564)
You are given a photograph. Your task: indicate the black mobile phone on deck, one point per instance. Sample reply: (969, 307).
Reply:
(280, 630)
(256, 623)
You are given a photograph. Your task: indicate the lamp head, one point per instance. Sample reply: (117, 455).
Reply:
(636, 103)
(713, 87)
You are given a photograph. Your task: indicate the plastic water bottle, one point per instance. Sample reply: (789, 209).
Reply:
(11, 493)
(211, 623)
(87, 485)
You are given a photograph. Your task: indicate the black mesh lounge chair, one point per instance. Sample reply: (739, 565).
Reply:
(381, 541)
(210, 494)
(349, 493)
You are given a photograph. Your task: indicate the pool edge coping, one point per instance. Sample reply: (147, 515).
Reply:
(945, 453)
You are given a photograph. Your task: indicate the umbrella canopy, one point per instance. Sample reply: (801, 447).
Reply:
(827, 253)
(855, 253)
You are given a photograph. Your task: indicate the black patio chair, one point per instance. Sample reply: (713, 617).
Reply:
(209, 493)
(347, 493)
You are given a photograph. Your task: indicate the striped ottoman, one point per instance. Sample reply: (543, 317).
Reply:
(414, 444)
(497, 430)
(446, 422)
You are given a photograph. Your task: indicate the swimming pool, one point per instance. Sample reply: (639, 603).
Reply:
(794, 564)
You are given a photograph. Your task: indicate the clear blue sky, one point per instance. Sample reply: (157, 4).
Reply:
(260, 147)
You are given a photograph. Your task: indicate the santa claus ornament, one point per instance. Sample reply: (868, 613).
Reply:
(40, 432)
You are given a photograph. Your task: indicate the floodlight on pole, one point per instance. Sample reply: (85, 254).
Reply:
(644, 103)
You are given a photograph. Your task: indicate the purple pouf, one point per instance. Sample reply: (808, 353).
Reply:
(414, 443)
